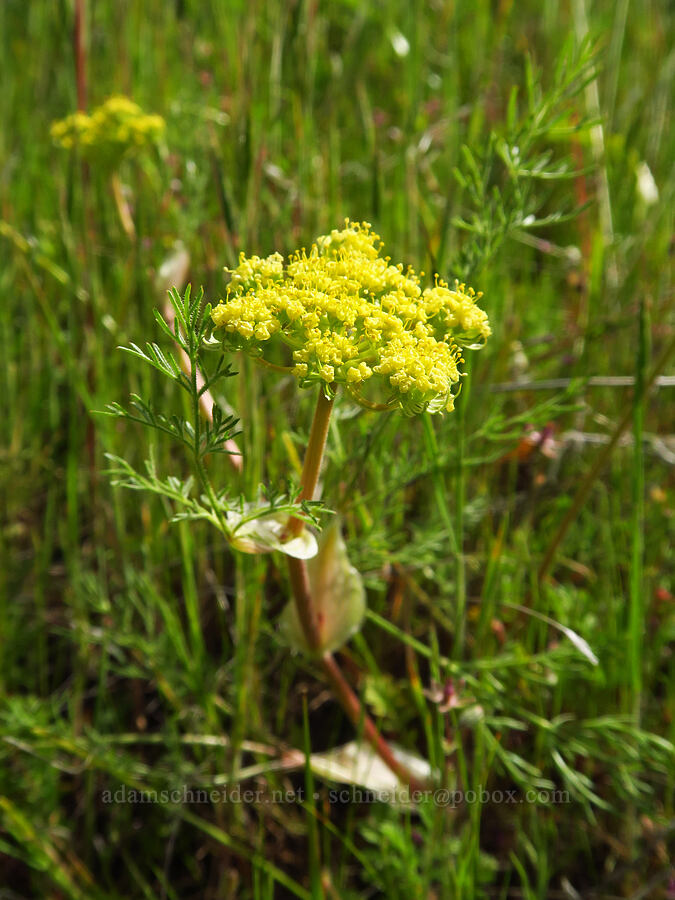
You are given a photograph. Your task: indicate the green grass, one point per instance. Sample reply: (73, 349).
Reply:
(142, 655)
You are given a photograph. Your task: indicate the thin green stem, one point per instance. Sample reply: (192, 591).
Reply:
(460, 569)
(368, 404)
(195, 401)
(636, 609)
(584, 488)
(313, 454)
(199, 462)
(266, 364)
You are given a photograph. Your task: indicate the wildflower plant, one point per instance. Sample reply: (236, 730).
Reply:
(348, 319)
(115, 129)
(342, 319)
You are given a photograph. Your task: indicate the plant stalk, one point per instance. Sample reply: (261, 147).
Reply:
(313, 455)
(80, 55)
(589, 480)
(362, 721)
(123, 209)
(307, 612)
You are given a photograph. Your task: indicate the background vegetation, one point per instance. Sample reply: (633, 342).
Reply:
(139, 654)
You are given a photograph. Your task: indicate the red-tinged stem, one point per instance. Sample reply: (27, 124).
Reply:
(309, 617)
(361, 720)
(80, 56)
(305, 608)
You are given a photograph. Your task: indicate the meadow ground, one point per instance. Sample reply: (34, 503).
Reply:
(525, 147)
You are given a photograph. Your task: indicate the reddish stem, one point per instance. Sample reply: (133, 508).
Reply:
(361, 720)
(307, 612)
(304, 606)
(80, 55)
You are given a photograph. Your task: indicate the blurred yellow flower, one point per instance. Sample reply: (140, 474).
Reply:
(117, 128)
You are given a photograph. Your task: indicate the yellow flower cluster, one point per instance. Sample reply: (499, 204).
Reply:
(351, 317)
(117, 127)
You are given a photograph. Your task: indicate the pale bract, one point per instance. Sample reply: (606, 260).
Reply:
(338, 595)
(266, 533)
